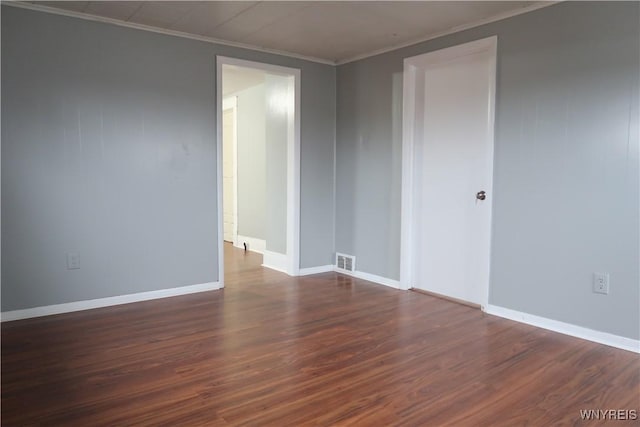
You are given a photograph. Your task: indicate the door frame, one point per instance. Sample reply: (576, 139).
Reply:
(231, 103)
(293, 163)
(488, 45)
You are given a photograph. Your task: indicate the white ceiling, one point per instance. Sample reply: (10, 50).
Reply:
(327, 30)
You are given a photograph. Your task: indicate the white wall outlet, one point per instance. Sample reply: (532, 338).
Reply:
(601, 283)
(73, 261)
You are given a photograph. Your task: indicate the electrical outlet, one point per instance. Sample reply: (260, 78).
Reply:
(73, 261)
(601, 283)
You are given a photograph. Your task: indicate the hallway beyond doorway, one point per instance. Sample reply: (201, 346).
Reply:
(238, 260)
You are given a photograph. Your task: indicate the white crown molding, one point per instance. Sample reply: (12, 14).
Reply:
(86, 16)
(452, 30)
(89, 17)
(69, 307)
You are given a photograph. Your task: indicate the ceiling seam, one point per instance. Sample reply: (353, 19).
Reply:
(182, 16)
(278, 20)
(236, 15)
(135, 11)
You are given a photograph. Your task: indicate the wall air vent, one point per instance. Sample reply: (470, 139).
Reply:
(345, 262)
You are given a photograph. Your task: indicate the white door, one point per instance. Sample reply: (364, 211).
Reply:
(452, 137)
(228, 168)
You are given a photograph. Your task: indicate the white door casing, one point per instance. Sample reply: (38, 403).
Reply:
(230, 169)
(448, 120)
(291, 261)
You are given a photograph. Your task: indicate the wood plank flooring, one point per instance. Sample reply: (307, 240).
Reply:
(270, 350)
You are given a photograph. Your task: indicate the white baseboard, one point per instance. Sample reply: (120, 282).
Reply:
(566, 328)
(357, 274)
(370, 277)
(275, 261)
(105, 302)
(253, 244)
(316, 270)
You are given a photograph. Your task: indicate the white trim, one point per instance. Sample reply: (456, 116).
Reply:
(219, 173)
(235, 169)
(447, 54)
(406, 199)
(293, 178)
(453, 30)
(106, 302)
(316, 270)
(165, 31)
(89, 17)
(370, 278)
(356, 274)
(292, 265)
(231, 103)
(605, 338)
(275, 261)
(493, 49)
(253, 244)
(489, 45)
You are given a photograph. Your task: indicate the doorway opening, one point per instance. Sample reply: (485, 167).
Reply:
(258, 153)
(447, 171)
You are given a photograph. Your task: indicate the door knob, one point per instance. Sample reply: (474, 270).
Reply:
(481, 195)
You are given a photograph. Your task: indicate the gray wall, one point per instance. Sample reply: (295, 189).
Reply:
(108, 149)
(251, 162)
(566, 162)
(276, 177)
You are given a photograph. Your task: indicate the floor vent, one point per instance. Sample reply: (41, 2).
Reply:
(345, 262)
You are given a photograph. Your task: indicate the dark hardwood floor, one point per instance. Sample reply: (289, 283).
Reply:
(319, 350)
